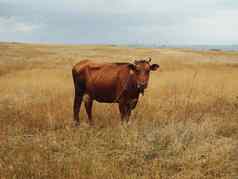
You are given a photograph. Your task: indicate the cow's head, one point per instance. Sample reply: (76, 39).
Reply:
(141, 72)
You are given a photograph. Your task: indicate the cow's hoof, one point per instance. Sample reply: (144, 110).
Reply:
(76, 124)
(125, 124)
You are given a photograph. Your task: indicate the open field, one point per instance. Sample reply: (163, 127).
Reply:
(186, 125)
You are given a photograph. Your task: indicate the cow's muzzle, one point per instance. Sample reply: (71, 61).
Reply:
(141, 87)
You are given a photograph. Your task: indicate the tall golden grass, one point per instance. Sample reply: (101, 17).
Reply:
(186, 125)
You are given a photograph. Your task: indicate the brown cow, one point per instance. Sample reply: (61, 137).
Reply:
(110, 83)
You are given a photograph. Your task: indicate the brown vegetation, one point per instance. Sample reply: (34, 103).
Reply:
(186, 125)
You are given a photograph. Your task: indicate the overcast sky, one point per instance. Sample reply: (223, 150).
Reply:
(170, 22)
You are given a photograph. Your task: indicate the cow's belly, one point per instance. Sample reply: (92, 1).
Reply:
(106, 100)
(105, 95)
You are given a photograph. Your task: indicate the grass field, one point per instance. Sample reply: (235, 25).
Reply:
(185, 126)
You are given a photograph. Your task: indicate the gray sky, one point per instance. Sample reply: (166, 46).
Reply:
(169, 22)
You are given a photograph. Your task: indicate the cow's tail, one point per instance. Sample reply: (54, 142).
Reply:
(79, 83)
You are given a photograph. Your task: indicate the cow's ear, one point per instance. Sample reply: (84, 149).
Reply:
(131, 66)
(154, 67)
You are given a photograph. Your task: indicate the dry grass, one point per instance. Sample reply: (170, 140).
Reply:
(186, 125)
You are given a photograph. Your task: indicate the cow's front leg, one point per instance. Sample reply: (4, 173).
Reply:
(125, 111)
(133, 103)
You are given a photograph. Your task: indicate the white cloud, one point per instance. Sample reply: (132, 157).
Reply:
(221, 28)
(121, 21)
(12, 25)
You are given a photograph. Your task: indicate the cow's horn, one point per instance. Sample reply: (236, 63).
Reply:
(149, 59)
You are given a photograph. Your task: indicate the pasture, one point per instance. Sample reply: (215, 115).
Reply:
(185, 126)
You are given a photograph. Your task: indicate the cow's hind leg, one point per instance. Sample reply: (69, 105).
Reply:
(77, 104)
(88, 105)
(78, 97)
